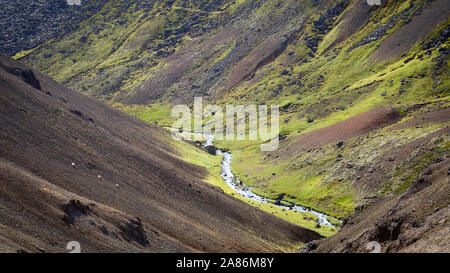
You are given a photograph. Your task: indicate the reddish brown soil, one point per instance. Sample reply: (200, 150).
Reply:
(260, 56)
(435, 116)
(346, 129)
(161, 204)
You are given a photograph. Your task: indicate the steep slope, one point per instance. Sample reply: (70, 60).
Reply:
(415, 221)
(74, 169)
(363, 90)
(27, 24)
(340, 107)
(140, 50)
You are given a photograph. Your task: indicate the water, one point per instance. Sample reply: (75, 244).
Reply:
(233, 182)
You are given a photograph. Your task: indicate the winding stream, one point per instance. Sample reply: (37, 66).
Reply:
(233, 182)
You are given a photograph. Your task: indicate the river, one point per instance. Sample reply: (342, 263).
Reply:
(245, 191)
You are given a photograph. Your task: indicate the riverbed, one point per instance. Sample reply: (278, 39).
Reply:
(245, 191)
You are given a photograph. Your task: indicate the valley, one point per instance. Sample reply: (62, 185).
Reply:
(75, 169)
(304, 217)
(364, 111)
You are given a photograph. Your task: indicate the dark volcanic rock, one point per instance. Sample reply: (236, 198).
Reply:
(380, 31)
(418, 185)
(386, 230)
(211, 149)
(134, 231)
(28, 23)
(27, 76)
(309, 247)
(74, 209)
(325, 22)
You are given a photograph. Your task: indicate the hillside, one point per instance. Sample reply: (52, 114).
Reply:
(363, 94)
(27, 24)
(139, 52)
(75, 169)
(415, 221)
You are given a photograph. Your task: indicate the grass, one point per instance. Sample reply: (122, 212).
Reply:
(213, 165)
(410, 170)
(192, 154)
(360, 85)
(23, 53)
(330, 87)
(302, 186)
(159, 113)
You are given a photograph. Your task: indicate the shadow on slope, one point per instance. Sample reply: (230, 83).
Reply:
(75, 169)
